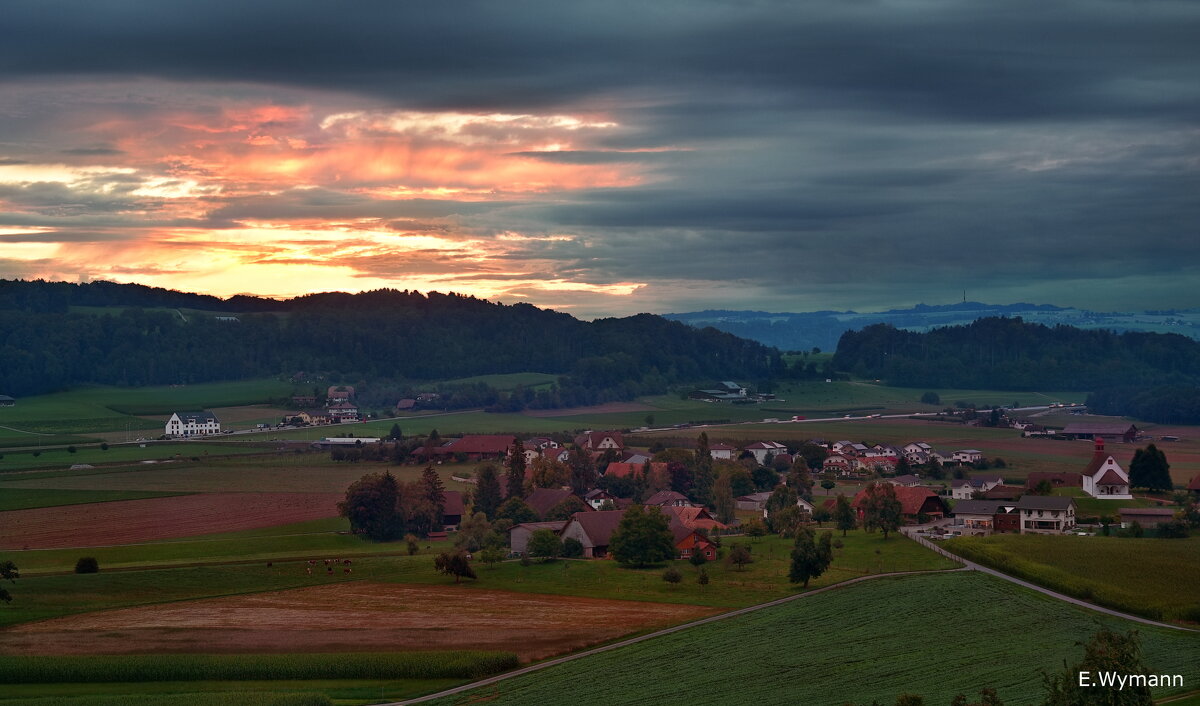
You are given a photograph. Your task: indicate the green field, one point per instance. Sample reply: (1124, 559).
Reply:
(938, 635)
(1155, 578)
(63, 459)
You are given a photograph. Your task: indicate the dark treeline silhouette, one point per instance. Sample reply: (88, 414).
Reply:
(388, 334)
(1149, 375)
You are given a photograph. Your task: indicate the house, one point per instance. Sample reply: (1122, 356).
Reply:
(542, 499)
(343, 412)
(917, 451)
(637, 458)
(976, 514)
(758, 502)
(476, 447)
(1056, 480)
(966, 456)
(668, 498)
(596, 498)
(556, 453)
(6, 401)
(689, 542)
(339, 393)
(762, 449)
(1122, 431)
(1046, 514)
(541, 442)
(593, 530)
(1146, 516)
(1193, 486)
(696, 518)
(722, 452)
(453, 509)
(600, 440)
(730, 387)
(192, 424)
(964, 488)
(1004, 492)
(914, 503)
(405, 405)
(837, 463)
(518, 536)
(908, 481)
(622, 470)
(1104, 478)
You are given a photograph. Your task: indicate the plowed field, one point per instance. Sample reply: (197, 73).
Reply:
(356, 617)
(132, 521)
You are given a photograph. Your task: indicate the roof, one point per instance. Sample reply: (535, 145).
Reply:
(1004, 492)
(454, 502)
(693, 518)
(599, 525)
(6, 398)
(911, 499)
(1111, 477)
(1074, 480)
(196, 417)
(1165, 512)
(621, 470)
(906, 479)
(968, 451)
(755, 497)
(555, 526)
(769, 445)
(663, 497)
(1194, 484)
(596, 493)
(1044, 502)
(722, 447)
(976, 507)
(1093, 428)
(593, 439)
(481, 444)
(406, 403)
(542, 499)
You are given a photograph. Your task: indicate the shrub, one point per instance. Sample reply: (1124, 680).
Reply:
(572, 548)
(87, 565)
(71, 449)
(672, 576)
(104, 446)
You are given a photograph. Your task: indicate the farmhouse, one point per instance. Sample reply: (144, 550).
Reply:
(339, 393)
(758, 503)
(542, 499)
(1194, 485)
(452, 510)
(1046, 514)
(668, 498)
(915, 504)
(192, 424)
(600, 440)
(1122, 431)
(979, 515)
(1104, 478)
(6, 401)
(518, 536)
(696, 518)
(476, 447)
(596, 498)
(966, 456)
(623, 470)
(762, 449)
(963, 488)
(722, 451)
(593, 530)
(908, 481)
(726, 391)
(689, 542)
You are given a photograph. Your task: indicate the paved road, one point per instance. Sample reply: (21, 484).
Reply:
(911, 532)
(625, 643)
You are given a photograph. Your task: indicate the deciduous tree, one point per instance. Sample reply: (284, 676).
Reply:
(454, 564)
(881, 508)
(643, 537)
(8, 572)
(544, 544)
(370, 505)
(516, 510)
(1107, 651)
(1149, 469)
(723, 499)
(565, 509)
(809, 560)
(843, 514)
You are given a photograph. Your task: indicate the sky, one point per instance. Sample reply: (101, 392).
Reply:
(608, 158)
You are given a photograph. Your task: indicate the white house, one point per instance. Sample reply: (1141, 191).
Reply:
(967, 456)
(1046, 514)
(1104, 478)
(761, 449)
(962, 489)
(192, 424)
(722, 451)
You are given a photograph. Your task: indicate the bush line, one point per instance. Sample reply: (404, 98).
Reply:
(186, 667)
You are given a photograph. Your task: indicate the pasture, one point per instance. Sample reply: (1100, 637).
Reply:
(62, 458)
(937, 635)
(1155, 578)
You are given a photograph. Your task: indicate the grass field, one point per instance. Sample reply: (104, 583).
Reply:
(938, 635)
(127, 453)
(1155, 578)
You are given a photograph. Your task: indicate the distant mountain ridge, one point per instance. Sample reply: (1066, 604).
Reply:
(823, 329)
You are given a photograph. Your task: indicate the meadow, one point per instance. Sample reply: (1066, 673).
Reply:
(1154, 578)
(938, 635)
(63, 459)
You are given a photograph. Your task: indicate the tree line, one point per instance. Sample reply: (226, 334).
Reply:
(390, 334)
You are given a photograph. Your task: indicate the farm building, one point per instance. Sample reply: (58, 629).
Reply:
(593, 530)
(914, 502)
(1004, 492)
(518, 536)
(963, 488)
(1056, 480)
(758, 503)
(668, 498)
(1104, 478)
(1146, 516)
(542, 499)
(600, 440)
(1194, 485)
(908, 480)
(622, 470)
(6, 401)
(330, 442)
(476, 447)
(596, 498)
(343, 412)
(1046, 514)
(452, 511)
(192, 424)
(696, 518)
(1122, 431)
(981, 515)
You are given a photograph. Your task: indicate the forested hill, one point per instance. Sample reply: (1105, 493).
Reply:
(143, 340)
(1003, 353)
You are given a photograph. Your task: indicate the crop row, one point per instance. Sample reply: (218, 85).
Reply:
(209, 699)
(143, 668)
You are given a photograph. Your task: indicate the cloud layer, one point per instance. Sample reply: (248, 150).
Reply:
(610, 158)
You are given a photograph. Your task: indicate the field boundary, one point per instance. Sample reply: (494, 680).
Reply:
(659, 633)
(974, 566)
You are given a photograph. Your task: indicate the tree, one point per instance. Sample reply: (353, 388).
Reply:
(395, 433)
(370, 505)
(565, 509)
(487, 490)
(800, 478)
(808, 560)
(434, 493)
(754, 527)
(583, 471)
(764, 478)
(517, 510)
(931, 398)
(702, 577)
(881, 508)
(782, 513)
(739, 556)
(740, 482)
(87, 565)
(491, 556)
(723, 499)
(548, 473)
(454, 564)
(411, 544)
(843, 514)
(1149, 469)
(8, 572)
(987, 697)
(705, 476)
(813, 454)
(572, 548)
(672, 576)
(544, 544)
(1107, 651)
(1176, 528)
(697, 559)
(643, 537)
(681, 476)
(516, 470)
(827, 481)
(473, 532)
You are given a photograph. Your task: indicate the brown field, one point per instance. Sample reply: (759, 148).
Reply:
(353, 617)
(606, 408)
(131, 521)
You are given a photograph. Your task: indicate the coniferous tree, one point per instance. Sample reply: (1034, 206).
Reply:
(487, 490)
(843, 515)
(583, 471)
(723, 499)
(516, 470)
(702, 491)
